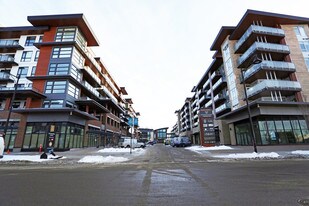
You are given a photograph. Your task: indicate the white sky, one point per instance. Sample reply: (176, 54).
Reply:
(157, 49)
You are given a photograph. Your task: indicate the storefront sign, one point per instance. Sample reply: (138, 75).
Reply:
(207, 130)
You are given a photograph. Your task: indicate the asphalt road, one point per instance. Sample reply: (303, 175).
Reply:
(163, 176)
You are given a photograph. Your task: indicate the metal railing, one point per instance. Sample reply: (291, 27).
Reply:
(263, 47)
(262, 85)
(275, 65)
(258, 29)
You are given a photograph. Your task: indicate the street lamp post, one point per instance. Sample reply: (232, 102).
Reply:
(11, 107)
(254, 60)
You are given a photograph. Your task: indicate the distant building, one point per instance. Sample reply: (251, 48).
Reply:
(146, 134)
(160, 134)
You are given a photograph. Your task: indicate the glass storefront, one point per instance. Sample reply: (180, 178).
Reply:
(11, 134)
(67, 135)
(274, 130)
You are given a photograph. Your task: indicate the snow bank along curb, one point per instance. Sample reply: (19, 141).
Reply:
(100, 159)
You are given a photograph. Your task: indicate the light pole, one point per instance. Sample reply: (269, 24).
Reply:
(254, 60)
(11, 107)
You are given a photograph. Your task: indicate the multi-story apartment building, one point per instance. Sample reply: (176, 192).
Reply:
(51, 84)
(276, 84)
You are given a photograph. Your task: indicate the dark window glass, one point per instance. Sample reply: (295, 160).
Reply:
(30, 40)
(26, 56)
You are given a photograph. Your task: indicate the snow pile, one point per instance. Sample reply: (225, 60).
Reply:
(201, 148)
(121, 150)
(29, 158)
(250, 155)
(301, 152)
(101, 159)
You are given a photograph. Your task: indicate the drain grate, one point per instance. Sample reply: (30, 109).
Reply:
(303, 202)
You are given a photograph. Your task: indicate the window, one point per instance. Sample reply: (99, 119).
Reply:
(53, 104)
(62, 52)
(300, 31)
(307, 62)
(56, 87)
(37, 53)
(65, 34)
(75, 73)
(26, 56)
(78, 58)
(33, 70)
(73, 91)
(58, 69)
(41, 39)
(22, 71)
(30, 40)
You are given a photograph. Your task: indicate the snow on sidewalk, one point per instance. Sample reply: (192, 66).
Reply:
(264, 155)
(121, 150)
(100, 159)
(28, 158)
(214, 148)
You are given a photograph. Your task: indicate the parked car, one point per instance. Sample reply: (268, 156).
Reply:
(2, 145)
(140, 144)
(180, 142)
(127, 142)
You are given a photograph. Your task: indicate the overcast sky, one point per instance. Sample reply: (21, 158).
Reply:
(157, 49)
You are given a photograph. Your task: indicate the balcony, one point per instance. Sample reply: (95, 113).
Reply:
(91, 106)
(219, 85)
(257, 71)
(9, 46)
(91, 76)
(203, 99)
(264, 88)
(5, 77)
(226, 107)
(273, 35)
(21, 92)
(278, 51)
(7, 61)
(89, 90)
(220, 98)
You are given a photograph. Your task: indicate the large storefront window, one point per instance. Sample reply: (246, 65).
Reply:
(281, 130)
(67, 135)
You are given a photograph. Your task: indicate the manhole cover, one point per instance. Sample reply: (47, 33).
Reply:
(303, 202)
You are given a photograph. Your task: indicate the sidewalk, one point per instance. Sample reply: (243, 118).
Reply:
(275, 151)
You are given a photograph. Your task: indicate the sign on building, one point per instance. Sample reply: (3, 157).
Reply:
(207, 130)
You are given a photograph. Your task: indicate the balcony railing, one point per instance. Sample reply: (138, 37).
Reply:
(19, 88)
(220, 81)
(269, 47)
(5, 76)
(223, 107)
(273, 84)
(6, 58)
(8, 42)
(274, 65)
(220, 96)
(260, 30)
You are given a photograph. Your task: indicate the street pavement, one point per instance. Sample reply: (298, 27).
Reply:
(162, 175)
(74, 155)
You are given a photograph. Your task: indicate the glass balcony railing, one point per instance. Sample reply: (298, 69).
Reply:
(6, 58)
(8, 42)
(219, 96)
(4, 75)
(275, 65)
(223, 107)
(273, 84)
(220, 81)
(260, 30)
(269, 47)
(90, 88)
